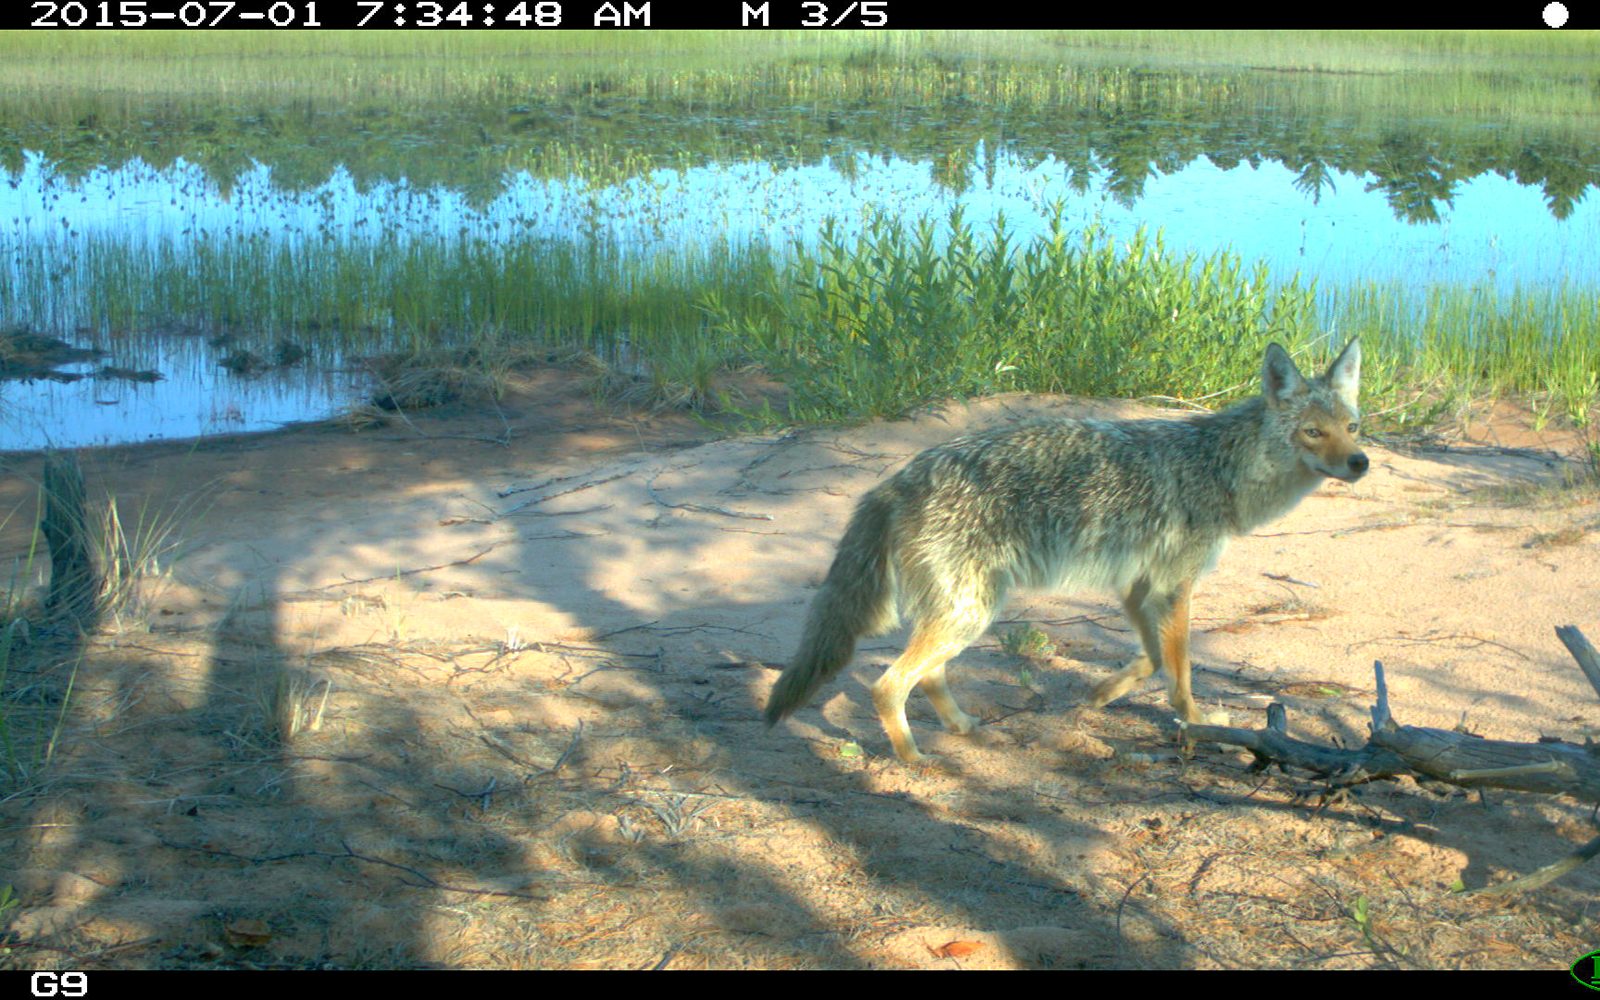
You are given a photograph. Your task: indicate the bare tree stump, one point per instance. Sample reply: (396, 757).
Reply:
(64, 522)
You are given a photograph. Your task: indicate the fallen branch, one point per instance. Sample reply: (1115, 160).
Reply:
(1549, 873)
(1583, 652)
(1550, 766)
(1274, 745)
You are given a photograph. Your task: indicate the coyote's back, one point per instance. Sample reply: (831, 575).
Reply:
(1137, 507)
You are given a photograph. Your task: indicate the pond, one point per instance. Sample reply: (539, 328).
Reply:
(1344, 228)
(152, 264)
(191, 394)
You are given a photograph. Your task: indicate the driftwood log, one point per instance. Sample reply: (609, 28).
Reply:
(1551, 766)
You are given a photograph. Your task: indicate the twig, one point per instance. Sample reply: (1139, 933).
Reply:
(1338, 532)
(493, 743)
(857, 452)
(411, 572)
(544, 645)
(567, 513)
(656, 626)
(667, 958)
(1427, 639)
(576, 489)
(1196, 400)
(485, 793)
(1285, 578)
(81, 959)
(562, 760)
(508, 491)
(1536, 454)
(1123, 902)
(350, 854)
(626, 628)
(650, 485)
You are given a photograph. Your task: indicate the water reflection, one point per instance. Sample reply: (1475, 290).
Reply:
(1326, 224)
(1337, 227)
(194, 398)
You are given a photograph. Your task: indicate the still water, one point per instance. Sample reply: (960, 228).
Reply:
(1343, 228)
(1342, 231)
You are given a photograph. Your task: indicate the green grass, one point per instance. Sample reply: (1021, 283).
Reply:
(14, 634)
(857, 326)
(874, 325)
(128, 555)
(412, 64)
(369, 293)
(30, 735)
(878, 323)
(463, 108)
(1443, 344)
(1027, 642)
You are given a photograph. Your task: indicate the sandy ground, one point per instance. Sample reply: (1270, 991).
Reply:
(540, 637)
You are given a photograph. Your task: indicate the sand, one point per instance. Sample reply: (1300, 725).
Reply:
(536, 637)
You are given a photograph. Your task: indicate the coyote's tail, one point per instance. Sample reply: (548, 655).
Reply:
(856, 599)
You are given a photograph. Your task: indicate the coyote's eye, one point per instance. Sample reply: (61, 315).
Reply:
(1354, 427)
(1310, 432)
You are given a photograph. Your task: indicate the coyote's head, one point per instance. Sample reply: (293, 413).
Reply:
(1322, 413)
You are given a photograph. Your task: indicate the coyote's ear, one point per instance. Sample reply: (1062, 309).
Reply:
(1344, 375)
(1281, 381)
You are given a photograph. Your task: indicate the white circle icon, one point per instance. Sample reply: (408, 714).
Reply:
(1555, 14)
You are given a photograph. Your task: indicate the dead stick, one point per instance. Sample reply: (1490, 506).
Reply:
(1545, 875)
(1582, 651)
(703, 508)
(409, 572)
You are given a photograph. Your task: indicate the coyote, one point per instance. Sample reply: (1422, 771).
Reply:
(1138, 507)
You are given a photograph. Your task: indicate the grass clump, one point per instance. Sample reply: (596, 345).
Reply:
(30, 731)
(1027, 642)
(102, 562)
(901, 314)
(292, 704)
(434, 378)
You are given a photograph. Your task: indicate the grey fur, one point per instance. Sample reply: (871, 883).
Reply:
(1140, 508)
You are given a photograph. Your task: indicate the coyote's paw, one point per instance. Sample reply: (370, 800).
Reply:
(933, 763)
(961, 723)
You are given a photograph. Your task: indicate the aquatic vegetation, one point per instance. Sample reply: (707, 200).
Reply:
(858, 213)
(904, 313)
